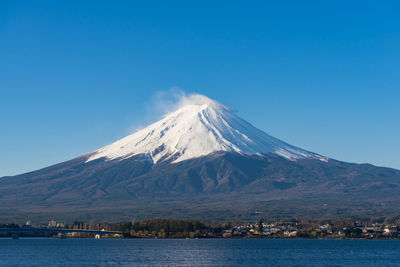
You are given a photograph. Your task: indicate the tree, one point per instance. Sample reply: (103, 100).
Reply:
(260, 226)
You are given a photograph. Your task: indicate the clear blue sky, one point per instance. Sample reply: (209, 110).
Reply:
(321, 75)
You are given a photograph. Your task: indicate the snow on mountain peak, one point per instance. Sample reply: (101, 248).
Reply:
(201, 101)
(195, 99)
(198, 127)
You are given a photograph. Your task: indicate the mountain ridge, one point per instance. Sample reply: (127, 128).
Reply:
(221, 184)
(224, 168)
(199, 127)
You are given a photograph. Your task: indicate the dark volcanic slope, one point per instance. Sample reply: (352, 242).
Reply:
(218, 186)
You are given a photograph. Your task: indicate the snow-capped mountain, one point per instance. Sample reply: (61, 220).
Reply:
(198, 128)
(200, 161)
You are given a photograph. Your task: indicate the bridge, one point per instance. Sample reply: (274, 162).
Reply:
(16, 232)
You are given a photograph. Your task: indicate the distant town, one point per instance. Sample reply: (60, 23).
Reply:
(382, 227)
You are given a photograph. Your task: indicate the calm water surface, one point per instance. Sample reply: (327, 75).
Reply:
(199, 252)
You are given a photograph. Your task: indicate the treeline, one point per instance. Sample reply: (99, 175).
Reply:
(168, 228)
(9, 225)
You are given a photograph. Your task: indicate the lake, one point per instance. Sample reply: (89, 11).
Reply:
(198, 252)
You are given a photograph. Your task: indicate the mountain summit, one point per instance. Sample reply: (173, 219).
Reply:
(200, 161)
(199, 127)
